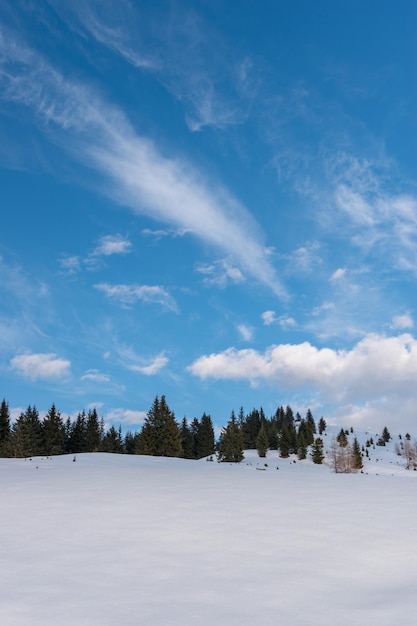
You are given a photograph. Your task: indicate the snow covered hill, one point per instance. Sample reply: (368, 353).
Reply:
(113, 540)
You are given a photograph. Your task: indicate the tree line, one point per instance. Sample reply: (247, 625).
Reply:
(162, 435)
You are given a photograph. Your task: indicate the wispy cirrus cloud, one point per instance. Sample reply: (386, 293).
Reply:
(130, 294)
(97, 377)
(98, 135)
(221, 274)
(40, 366)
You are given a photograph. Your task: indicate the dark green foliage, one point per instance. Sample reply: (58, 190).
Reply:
(310, 422)
(27, 435)
(250, 429)
(230, 449)
(356, 455)
(93, 431)
(205, 438)
(302, 448)
(386, 435)
(5, 449)
(262, 441)
(160, 435)
(112, 441)
(130, 442)
(77, 441)
(317, 453)
(53, 433)
(284, 443)
(342, 438)
(322, 425)
(187, 440)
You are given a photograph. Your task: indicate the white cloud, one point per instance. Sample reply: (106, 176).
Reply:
(158, 363)
(220, 274)
(40, 366)
(70, 265)
(129, 294)
(339, 274)
(95, 376)
(286, 322)
(165, 232)
(245, 332)
(125, 416)
(269, 317)
(377, 366)
(402, 322)
(170, 190)
(305, 258)
(112, 244)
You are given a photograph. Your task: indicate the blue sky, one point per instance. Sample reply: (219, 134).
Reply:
(214, 201)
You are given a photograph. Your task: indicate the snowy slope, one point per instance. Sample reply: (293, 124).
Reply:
(118, 540)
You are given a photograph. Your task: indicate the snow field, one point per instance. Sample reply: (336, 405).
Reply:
(119, 540)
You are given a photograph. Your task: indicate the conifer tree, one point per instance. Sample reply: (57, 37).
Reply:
(112, 441)
(27, 436)
(160, 435)
(93, 431)
(231, 442)
(187, 440)
(284, 443)
(4, 429)
(317, 451)
(322, 425)
(205, 445)
(53, 432)
(356, 455)
(262, 441)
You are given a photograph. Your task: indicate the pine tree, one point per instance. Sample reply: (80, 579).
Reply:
(160, 435)
(93, 431)
(386, 435)
(187, 440)
(284, 443)
(205, 445)
(231, 442)
(317, 451)
(342, 438)
(27, 435)
(112, 441)
(4, 429)
(310, 422)
(322, 425)
(356, 455)
(262, 441)
(53, 432)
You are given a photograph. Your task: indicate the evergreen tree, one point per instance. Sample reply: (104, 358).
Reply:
(310, 422)
(160, 435)
(317, 453)
(322, 425)
(302, 447)
(5, 429)
(231, 442)
(342, 438)
(93, 431)
(27, 435)
(112, 441)
(205, 445)
(385, 435)
(78, 434)
(356, 455)
(187, 440)
(262, 441)
(53, 432)
(250, 429)
(130, 442)
(284, 443)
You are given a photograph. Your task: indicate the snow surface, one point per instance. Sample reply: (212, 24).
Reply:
(128, 540)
